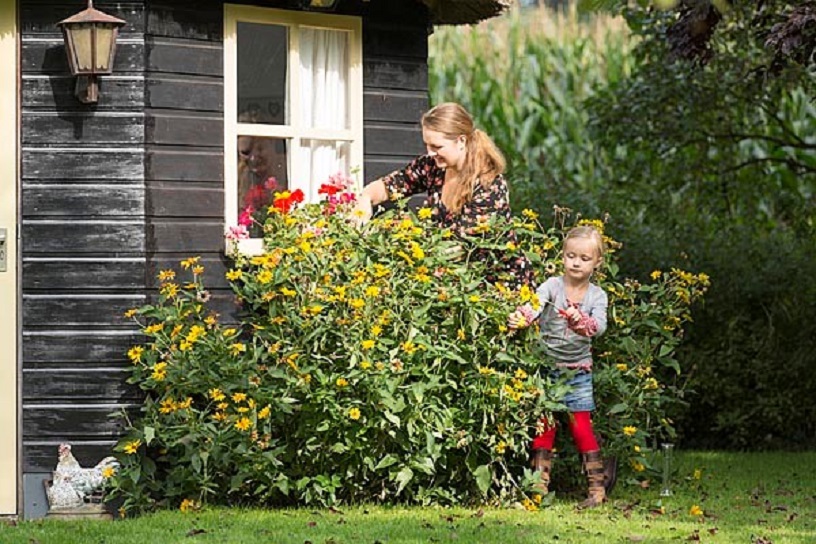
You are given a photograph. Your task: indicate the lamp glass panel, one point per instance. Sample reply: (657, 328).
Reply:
(82, 39)
(104, 44)
(263, 53)
(322, 4)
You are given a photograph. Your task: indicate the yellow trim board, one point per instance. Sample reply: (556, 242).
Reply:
(8, 279)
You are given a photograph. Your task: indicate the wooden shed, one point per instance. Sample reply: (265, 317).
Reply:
(205, 99)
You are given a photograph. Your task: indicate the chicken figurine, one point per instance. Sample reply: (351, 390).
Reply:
(71, 484)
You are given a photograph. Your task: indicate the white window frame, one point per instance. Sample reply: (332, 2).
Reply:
(294, 132)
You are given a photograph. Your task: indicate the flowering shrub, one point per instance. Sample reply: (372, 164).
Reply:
(373, 364)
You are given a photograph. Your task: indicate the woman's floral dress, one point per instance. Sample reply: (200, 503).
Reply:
(423, 175)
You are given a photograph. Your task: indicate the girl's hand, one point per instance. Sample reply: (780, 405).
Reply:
(517, 320)
(572, 314)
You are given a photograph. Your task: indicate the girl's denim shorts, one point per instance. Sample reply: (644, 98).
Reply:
(580, 397)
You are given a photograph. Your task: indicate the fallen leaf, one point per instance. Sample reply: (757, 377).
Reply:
(334, 510)
(636, 538)
(194, 532)
(479, 513)
(312, 524)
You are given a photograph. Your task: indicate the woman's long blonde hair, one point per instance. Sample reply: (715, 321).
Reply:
(483, 160)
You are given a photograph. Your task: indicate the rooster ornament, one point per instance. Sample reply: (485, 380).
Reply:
(71, 484)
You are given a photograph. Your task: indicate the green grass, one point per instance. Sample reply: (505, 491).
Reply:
(746, 498)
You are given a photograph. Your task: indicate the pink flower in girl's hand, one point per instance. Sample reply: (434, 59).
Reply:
(239, 232)
(245, 218)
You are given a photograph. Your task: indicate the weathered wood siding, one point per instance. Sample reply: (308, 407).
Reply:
(395, 84)
(115, 192)
(83, 236)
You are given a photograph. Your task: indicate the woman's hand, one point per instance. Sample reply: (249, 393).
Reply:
(363, 211)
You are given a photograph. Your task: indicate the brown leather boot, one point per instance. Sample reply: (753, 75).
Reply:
(542, 461)
(594, 469)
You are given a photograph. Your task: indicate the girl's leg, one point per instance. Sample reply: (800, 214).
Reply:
(542, 454)
(580, 424)
(584, 436)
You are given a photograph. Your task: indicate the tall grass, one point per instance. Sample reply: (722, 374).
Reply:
(524, 77)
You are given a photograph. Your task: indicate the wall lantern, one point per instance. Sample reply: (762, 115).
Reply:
(318, 5)
(90, 42)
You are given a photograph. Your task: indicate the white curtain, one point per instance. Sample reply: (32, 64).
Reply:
(324, 66)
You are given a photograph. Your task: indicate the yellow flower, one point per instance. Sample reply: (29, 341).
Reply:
(474, 298)
(132, 447)
(529, 505)
(460, 334)
(166, 275)
(629, 431)
(376, 330)
(368, 344)
(264, 412)
(135, 353)
(372, 291)
(622, 367)
(108, 472)
(365, 365)
(656, 274)
(341, 382)
(486, 371)
(233, 275)
(239, 397)
(500, 447)
(636, 448)
(357, 303)
(424, 213)
(637, 466)
(288, 292)
(417, 252)
(354, 413)
(187, 505)
(237, 348)
(650, 384)
(529, 214)
(167, 406)
(264, 276)
(409, 347)
(511, 246)
(187, 263)
(131, 312)
(697, 474)
(153, 329)
(170, 290)
(695, 510)
(159, 371)
(243, 424)
(520, 374)
(198, 270)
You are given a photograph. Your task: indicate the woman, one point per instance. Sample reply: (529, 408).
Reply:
(462, 175)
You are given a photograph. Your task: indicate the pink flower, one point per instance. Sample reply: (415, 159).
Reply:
(245, 219)
(239, 232)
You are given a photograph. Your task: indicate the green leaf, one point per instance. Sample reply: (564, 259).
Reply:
(483, 476)
(149, 435)
(386, 461)
(402, 478)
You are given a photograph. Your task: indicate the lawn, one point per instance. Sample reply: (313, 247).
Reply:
(751, 498)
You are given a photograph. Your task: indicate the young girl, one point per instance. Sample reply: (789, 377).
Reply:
(572, 311)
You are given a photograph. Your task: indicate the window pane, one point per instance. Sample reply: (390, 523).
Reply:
(324, 71)
(322, 159)
(262, 170)
(262, 60)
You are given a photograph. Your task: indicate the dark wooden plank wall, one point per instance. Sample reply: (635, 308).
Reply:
(83, 236)
(116, 192)
(395, 83)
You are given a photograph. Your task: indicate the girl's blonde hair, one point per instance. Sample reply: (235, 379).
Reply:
(588, 232)
(483, 160)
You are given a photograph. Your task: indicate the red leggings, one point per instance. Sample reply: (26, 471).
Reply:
(580, 425)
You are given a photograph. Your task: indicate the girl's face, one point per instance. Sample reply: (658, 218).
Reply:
(580, 258)
(446, 152)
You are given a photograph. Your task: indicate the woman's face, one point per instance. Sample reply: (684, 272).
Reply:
(447, 152)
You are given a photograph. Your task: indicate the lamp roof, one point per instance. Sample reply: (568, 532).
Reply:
(91, 15)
